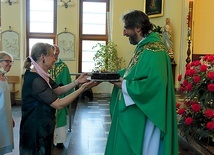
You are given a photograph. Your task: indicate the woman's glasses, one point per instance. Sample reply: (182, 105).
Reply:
(8, 61)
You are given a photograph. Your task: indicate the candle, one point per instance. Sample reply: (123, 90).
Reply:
(190, 4)
(190, 14)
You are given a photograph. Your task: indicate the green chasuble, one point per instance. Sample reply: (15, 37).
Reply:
(149, 83)
(61, 75)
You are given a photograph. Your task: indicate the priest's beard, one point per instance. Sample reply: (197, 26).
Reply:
(133, 39)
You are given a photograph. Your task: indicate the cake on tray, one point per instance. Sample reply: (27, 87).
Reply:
(105, 76)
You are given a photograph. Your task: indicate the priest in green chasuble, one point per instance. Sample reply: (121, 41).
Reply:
(61, 75)
(142, 104)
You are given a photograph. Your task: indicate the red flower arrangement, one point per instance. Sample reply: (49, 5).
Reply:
(196, 114)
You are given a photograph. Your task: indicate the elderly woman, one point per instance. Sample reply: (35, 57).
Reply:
(6, 121)
(40, 99)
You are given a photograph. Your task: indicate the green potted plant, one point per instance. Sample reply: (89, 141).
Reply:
(158, 29)
(106, 58)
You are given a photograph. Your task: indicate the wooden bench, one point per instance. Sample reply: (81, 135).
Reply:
(13, 80)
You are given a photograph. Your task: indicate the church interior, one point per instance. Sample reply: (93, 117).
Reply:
(188, 22)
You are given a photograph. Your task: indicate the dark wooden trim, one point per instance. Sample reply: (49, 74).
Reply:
(196, 56)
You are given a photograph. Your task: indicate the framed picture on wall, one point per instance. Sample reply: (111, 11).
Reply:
(10, 43)
(153, 8)
(66, 45)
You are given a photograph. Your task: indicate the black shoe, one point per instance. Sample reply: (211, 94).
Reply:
(60, 145)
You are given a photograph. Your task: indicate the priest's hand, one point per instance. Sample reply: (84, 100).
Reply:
(118, 83)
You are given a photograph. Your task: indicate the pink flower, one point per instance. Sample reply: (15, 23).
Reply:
(210, 75)
(205, 57)
(181, 89)
(188, 120)
(196, 107)
(181, 111)
(197, 63)
(189, 87)
(190, 72)
(209, 113)
(188, 103)
(185, 82)
(210, 87)
(178, 105)
(210, 58)
(191, 64)
(188, 66)
(203, 68)
(179, 77)
(196, 79)
(210, 125)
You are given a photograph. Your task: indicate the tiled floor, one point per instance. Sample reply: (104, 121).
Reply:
(89, 131)
(90, 128)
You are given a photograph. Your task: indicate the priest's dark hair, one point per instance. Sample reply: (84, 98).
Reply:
(137, 19)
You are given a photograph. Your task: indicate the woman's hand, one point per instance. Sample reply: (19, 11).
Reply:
(81, 79)
(89, 85)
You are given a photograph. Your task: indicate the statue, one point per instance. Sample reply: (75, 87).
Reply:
(167, 38)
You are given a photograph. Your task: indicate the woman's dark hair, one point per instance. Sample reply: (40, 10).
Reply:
(137, 19)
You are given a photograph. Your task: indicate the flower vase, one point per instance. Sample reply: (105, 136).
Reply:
(203, 146)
